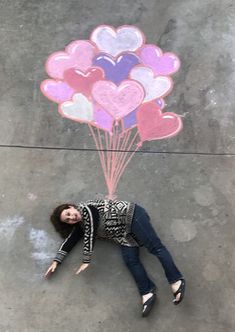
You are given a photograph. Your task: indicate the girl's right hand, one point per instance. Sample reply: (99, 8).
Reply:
(51, 269)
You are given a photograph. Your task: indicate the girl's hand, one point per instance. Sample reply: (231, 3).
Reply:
(51, 269)
(83, 267)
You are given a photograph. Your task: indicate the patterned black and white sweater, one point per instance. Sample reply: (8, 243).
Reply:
(100, 219)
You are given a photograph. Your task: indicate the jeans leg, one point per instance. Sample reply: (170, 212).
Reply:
(144, 232)
(131, 258)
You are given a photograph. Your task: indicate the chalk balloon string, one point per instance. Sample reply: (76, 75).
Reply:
(115, 152)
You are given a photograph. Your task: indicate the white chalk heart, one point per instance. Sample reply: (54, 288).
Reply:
(79, 109)
(115, 41)
(154, 86)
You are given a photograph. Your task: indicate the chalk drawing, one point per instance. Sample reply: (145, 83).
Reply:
(9, 226)
(114, 83)
(32, 197)
(43, 245)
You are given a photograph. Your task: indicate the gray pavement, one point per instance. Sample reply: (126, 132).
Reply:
(186, 183)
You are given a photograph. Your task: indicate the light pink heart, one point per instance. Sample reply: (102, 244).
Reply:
(155, 125)
(78, 54)
(118, 100)
(160, 63)
(57, 91)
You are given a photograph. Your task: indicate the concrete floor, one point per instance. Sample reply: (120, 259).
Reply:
(186, 183)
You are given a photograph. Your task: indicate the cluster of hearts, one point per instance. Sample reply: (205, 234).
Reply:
(116, 84)
(114, 78)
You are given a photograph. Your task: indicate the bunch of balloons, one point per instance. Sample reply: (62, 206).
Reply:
(116, 84)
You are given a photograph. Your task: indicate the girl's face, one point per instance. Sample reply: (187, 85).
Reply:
(70, 216)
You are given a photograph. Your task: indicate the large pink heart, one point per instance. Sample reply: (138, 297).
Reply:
(155, 125)
(57, 91)
(162, 64)
(78, 54)
(118, 100)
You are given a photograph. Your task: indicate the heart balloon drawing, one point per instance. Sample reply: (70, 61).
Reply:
(116, 70)
(78, 54)
(155, 86)
(83, 82)
(57, 91)
(115, 41)
(155, 125)
(79, 109)
(116, 84)
(161, 64)
(103, 119)
(129, 121)
(118, 100)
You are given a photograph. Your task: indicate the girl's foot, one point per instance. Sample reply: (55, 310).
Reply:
(148, 302)
(178, 289)
(146, 297)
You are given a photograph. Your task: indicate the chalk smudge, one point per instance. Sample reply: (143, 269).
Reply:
(9, 226)
(183, 230)
(32, 197)
(44, 246)
(204, 195)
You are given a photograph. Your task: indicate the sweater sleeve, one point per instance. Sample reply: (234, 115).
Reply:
(89, 235)
(68, 244)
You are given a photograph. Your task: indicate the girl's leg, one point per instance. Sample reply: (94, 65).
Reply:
(136, 268)
(145, 234)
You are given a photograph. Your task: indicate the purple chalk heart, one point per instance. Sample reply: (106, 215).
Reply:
(58, 91)
(161, 64)
(130, 120)
(102, 119)
(118, 69)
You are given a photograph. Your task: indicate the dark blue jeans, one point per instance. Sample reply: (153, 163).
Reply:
(146, 235)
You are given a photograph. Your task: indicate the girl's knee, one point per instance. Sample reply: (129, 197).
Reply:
(156, 248)
(131, 261)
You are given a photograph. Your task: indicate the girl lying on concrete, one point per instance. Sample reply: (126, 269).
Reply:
(129, 226)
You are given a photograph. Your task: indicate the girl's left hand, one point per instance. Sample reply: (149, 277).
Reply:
(83, 267)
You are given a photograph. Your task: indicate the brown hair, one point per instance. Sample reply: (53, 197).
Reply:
(61, 227)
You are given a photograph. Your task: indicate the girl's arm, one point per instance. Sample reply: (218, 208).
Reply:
(65, 248)
(91, 221)
(89, 235)
(69, 243)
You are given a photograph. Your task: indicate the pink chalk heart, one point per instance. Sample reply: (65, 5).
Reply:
(115, 41)
(161, 64)
(118, 100)
(57, 91)
(155, 125)
(78, 54)
(82, 82)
